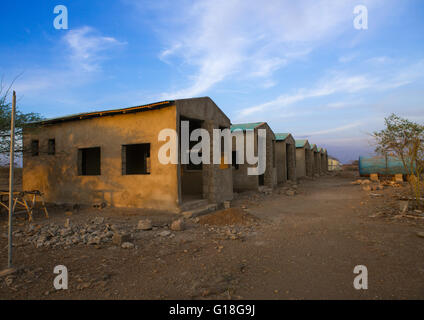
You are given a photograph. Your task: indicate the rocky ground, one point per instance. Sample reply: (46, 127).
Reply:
(295, 242)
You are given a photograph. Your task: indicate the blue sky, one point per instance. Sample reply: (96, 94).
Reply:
(301, 65)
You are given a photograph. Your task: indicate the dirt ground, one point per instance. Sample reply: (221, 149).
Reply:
(279, 247)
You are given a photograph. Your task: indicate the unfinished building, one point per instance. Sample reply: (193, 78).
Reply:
(304, 159)
(242, 181)
(285, 154)
(316, 160)
(324, 160)
(112, 157)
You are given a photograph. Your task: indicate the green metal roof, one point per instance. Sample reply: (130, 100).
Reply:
(245, 126)
(301, 143)
(281, 136)
(313, 146)
(319, 149)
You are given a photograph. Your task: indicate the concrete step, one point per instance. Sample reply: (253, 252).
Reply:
(193, 204)
(200, 211)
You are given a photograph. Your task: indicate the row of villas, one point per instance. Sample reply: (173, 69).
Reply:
(112, 157)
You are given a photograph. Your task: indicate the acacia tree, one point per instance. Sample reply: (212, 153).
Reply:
(404, 139)
(22, 120)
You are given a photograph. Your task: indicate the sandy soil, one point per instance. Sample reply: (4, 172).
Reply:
(299, 247)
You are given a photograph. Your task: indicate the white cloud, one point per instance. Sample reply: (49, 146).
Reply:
(80, 65)
(342, 83)
(337, 129)
(169, 52)
(251, 39)
(338, 105)
(324, 88)
(348, 58)
(87, 47)
(379, 60)
(87, 50)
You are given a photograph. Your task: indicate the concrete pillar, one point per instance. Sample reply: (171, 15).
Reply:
(268, 177)
(208, 174)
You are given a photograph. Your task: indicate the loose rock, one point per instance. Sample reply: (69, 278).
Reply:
(177, 225)
(366, 187)
(98, 220)
(403, 206)
(290, 193)
(119, 239)
(420, 234)
(165, 233)
(127, 245)
(144, 224)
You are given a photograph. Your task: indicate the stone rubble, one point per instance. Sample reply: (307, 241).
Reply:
(127, 245)
(164, 233)
(121, 238)
(177, 225)
(144, 225)
(53, 235)
(97, 232)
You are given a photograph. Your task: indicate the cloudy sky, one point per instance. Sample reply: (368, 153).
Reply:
(300, 65)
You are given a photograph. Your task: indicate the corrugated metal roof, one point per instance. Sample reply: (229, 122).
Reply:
(94, 114)
(301, 143)
(245, 126)
(281, 136)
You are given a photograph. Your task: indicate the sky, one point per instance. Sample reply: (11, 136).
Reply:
(301, 66)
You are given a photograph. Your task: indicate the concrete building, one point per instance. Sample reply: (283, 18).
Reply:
(242, 181)
(316, 160)
(334, 164)
(304, 159)
(321, 159)
(112, 157)
(285, 154)
(324, 160)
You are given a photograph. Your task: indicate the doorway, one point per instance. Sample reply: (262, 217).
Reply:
(191, 173)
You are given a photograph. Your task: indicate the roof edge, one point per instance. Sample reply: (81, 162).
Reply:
(96, 114)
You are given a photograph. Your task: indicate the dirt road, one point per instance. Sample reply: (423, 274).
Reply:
(302, 247)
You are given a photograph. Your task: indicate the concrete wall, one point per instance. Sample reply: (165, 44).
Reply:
(217, 182)
(324, 163)
(300, 162)
(317, 162)
(304, 161)
(309, 162)
(270, 175)
(326, 160)
(241, 180)
(280, 156)
(286, 160)
(57, 175)
(291, 158)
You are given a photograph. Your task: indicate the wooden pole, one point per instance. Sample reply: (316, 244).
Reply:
(12, 159)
